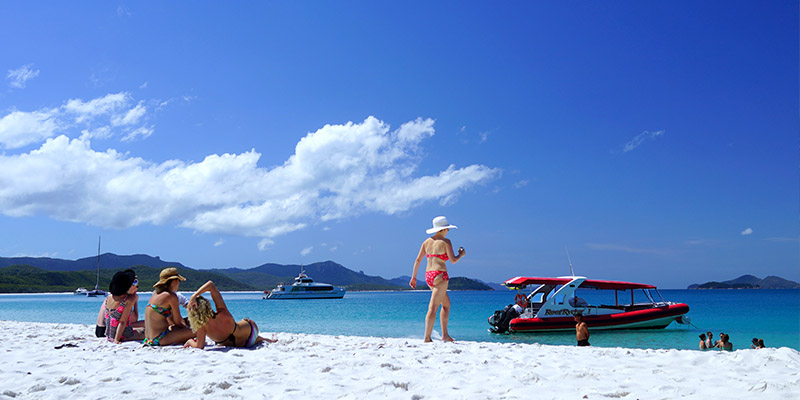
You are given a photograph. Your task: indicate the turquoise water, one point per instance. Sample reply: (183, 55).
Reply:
(773, 315)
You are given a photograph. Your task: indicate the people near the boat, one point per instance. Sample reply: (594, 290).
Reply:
(581, 330)
(118, 308)
(437, 249)
(710, 343)
(219, 325)
(163, 323)
(577, 302)
(703, 341)
(724, 342)
(760, 344)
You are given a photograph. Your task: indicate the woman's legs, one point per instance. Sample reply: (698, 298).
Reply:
(438, 297)
(177, 336)
(444, 316)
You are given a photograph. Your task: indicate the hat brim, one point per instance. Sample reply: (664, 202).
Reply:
(164, 281)
(439, 228)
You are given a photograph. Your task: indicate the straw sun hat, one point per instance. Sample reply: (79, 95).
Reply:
(440, 223)
(168, 274)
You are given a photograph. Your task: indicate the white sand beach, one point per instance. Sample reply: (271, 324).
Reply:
(333, 367)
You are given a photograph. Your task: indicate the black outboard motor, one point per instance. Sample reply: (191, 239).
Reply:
(502, 318)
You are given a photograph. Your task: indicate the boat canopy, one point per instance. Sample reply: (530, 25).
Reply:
(522, 281)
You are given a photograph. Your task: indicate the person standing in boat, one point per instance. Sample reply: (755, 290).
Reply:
(438, 250)
(581, 331)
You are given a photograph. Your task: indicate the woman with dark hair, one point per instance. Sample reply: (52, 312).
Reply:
(118, 308)
(724, 342)
(163, 323)
(100, 328)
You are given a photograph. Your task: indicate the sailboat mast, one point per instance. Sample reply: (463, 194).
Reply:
(97, 282)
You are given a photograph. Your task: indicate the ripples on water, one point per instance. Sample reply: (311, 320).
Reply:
(773, 315)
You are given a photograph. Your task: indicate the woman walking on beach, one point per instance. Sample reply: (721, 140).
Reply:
(163, 322)
(219, 326)
(438, 250)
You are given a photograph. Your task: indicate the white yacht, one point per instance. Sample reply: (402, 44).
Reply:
(81, 291)
(304, 288)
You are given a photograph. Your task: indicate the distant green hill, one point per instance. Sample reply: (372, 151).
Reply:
(749, 282)
(40, 274)
(29, 279)
(107, 261)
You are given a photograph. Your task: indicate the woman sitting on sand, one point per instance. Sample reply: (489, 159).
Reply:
(121, 304)
(219, 326)
(133, 319)
(163, 323)
(438, 250)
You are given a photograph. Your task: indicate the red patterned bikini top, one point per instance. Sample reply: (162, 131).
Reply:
(442, 256)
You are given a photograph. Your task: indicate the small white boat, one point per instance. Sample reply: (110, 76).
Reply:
(304, 288)
(81, 291)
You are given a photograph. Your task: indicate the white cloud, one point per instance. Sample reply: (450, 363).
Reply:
(521, 184)
(265, 243)
(18, 129)
(337, 172)
(142, 132)
(306, 251)
(636, 141)
(748, 231)
(99, 106)
(219, 242)
(100, 118)
(19, 77)
(130, 117)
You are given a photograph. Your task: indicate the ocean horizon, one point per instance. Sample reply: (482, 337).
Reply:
(773, 315)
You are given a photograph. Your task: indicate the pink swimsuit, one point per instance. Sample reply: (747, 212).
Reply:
(430, 276)
(444, 256)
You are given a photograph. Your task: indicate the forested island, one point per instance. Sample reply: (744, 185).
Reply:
(749, 282)
(41, 274)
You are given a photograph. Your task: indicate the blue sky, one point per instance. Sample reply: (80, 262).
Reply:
(657, 141)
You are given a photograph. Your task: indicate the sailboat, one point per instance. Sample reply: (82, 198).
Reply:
(96, 291)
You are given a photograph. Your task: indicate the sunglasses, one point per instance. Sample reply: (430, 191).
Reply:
(135, 282)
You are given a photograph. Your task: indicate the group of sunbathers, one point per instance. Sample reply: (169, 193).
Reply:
(118, 319)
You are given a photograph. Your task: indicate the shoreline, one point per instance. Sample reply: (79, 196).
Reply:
(71, 362)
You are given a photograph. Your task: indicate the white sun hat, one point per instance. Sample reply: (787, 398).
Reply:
(440, 223)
